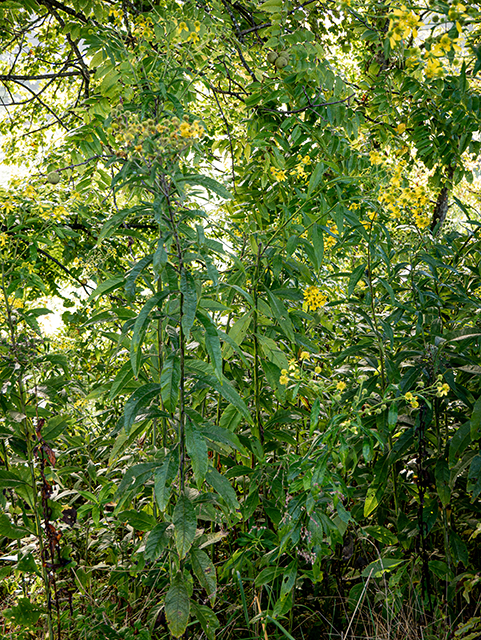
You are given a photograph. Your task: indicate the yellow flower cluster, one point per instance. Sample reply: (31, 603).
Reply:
(279, 174)
(314, 298)
(413, 400)
(143, 27)
(329, 241)
(149, 137)
(442, 389)
(375, 157)
(402, 25)
(8, 205)
(3, 240)
(299, 170)
(193, 33)
(55, 213)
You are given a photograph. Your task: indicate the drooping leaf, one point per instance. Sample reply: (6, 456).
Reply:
(204, 569)
(177, 606)
(197, 450)
(169, 382)
(140, 399)
(185, 525)
(157, 541)
(223, 487)
(140, 327)
(212, 343)
(189, 301)
(442, 475)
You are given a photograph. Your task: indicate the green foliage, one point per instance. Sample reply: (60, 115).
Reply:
(263, 408)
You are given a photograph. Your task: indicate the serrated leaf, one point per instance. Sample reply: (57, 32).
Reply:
(207, 618)
(10, 530)
(169, 382)
(204, 569)
(140, 399)
(157, 541)
(197, 450)
(189, 301)
(134, 274)
(212, 343)
(208, 183)
(223, 487)
(162, 494)
(442, 475)
(140, 327)
(139, 520)
(381, 534)
(185, 525)
(177, 607)
(9, 480)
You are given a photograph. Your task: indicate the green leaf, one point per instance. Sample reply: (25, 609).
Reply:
(185, 525)
(9, 530)
(315, 178)
(204, 569)
(106, 287)
(317, 238)
(354, 278)
(169, 382)
(177, 606)
(123, 377)
(9, 480)
(197, 450)
(212, 343)
(208, 183)
(237, 333)
(157, 541)
(223, 487)
(140, 399)
(459, 549)
(139, 520)
(189, 302)
(25, 613)
(442, 475)
(202, 371)
(140, 327)
(381, 534)
(474, 476)
(135, 477)
(207, 618)
(377, 568)
(282, 316)
(134, 274)
(162, 495)
(476, 420)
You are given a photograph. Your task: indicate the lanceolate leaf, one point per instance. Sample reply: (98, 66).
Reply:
(140, 327)
(177, 607)
(223, 487)
(169, 382)
(157, 541)
(10, 530)
(162, 493)
(205, 571)
(189, 304)
(442, 475)
(140, 399)
(134, 274)
(197, 450)
(212, 343)
(185, 525)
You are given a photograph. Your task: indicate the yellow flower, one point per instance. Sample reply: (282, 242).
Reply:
(30, 192)
(279, 174)
(182, 27)
(284, 372)
(8, 206)
(313, 298)
(304, 355)
(3, 240)
(197, 25)
(408, 396)
(375, 157)
(283, 379)
(340, 386)
(317, 369)
(442, 390)
(185, 130)
(401, 128)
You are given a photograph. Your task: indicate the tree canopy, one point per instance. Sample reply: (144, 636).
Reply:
(261, 414)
